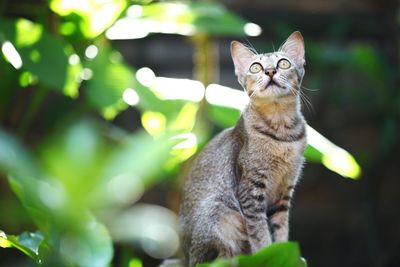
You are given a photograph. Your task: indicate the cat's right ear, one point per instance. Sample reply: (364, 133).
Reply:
(242, 57)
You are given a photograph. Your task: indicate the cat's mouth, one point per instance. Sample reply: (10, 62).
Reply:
(272, 83)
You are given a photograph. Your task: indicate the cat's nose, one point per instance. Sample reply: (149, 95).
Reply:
(270, 72)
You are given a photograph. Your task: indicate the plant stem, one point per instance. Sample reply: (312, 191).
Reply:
(206, 71)
(205, 59)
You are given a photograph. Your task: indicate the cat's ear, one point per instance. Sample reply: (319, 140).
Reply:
(294, 47)
(242, 57)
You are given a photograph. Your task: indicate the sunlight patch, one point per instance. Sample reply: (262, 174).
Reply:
(11, 54)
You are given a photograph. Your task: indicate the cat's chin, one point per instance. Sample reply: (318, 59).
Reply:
(272, 91)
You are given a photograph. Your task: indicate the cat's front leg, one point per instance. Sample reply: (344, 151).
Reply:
(278, 219)
(253, 205)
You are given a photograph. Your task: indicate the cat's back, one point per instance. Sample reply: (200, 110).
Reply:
(216, 163)
(210, 186)
(213, 172)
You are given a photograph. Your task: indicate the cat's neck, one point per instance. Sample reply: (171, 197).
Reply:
(276, 113)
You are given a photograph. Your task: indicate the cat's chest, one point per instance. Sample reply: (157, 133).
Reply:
(278, 162)
(267, 149)
(275, 165)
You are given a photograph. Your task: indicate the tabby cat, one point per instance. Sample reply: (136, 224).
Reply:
(237, 196)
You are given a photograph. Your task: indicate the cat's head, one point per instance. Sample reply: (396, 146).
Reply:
(271, 75)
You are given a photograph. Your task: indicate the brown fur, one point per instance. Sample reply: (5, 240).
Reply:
(237, 196)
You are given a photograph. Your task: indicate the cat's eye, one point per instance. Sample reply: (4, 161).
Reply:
(256, 68)
(284, 64)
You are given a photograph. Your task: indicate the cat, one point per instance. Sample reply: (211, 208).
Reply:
(237, 196)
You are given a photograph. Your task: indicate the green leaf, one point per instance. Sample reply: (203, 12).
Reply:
(110, 79)
(312, 154)
(285, 254)
(74, 156)
(223, 116)
(184, 18)
(130, 169)
(28, 243)
(368, 61)
(95, 16)
(90, 247)
(133, 226)
(275, 255)
(59, 205)
(218, 263)
(43, 55)
(47, 60)
(330, 155)
(27, 32)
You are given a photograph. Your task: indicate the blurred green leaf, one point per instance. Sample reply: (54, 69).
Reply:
(43, 55)
(312, 154)
(285, 254)
(47, 60)
(110, 78)
(149, 101)
(152, 227)
(223, 116)
(135, 262)
(59, 204)
(369, 62)
(91, 247)
(28, 33)
(28, 243)
(38, 52)
(166, 95)
(331, 156)
(73, 75)
(130, 169)
(23, 173)
(95, 16)
(74, 156)
(185, 18)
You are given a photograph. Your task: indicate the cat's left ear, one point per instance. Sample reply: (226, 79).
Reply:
(294, 47)
(242, 57)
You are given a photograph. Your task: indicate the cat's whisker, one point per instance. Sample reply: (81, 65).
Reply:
(303, 87)
(307, 103)
(291, 89)
(309, 89)
(251, 47)
(260, 83)
(303, 97)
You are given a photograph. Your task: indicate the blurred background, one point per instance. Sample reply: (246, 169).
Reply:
(104, 103)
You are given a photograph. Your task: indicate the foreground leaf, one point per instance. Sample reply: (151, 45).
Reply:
(28, 243)
(285, 254)
(66, 222)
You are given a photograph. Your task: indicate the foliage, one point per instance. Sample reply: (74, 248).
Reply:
(185, 18)
(276, 255)
(28, 243)
(79, 178)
